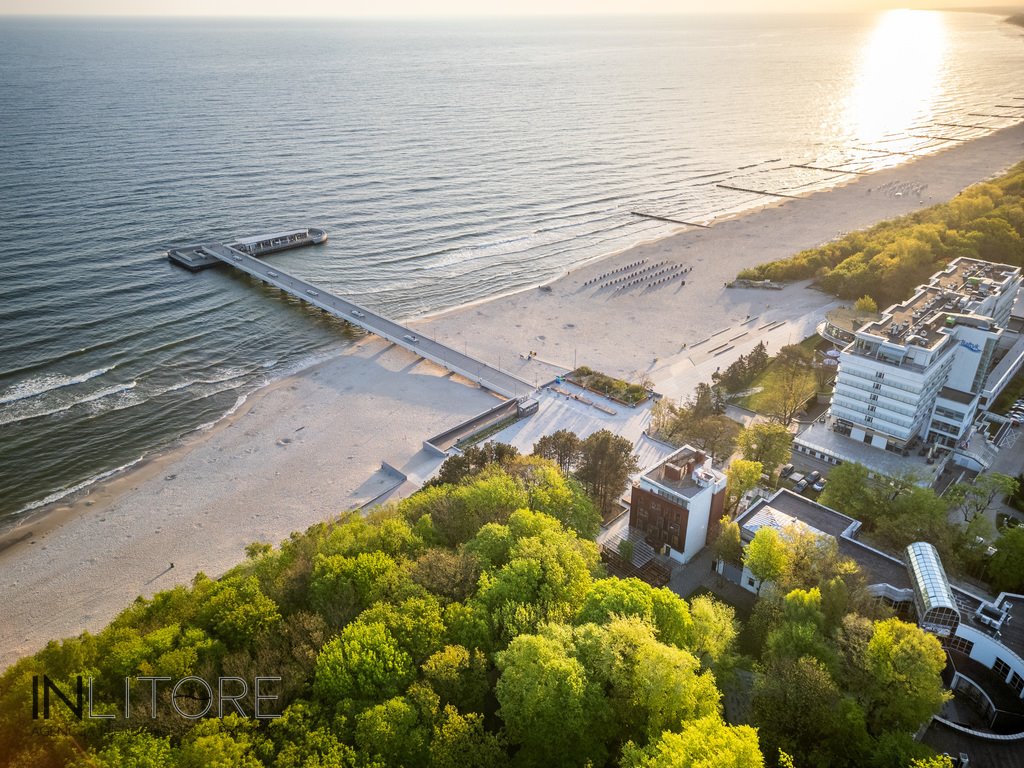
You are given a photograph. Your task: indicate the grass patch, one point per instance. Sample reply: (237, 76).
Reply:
(616, 389)
(1010, 395)
(754, 401)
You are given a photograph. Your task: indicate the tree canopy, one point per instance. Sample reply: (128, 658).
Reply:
(885, 263)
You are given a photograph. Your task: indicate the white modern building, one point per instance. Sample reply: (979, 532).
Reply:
(922, 371)
(677, 505)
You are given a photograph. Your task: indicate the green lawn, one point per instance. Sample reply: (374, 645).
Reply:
(1014, 390)
(752, 402)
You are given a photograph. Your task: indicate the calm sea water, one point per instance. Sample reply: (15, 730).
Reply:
(449, 162)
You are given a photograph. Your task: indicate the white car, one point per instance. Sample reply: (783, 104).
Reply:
(311, 292)
(357, 313)
(411, 339)
(271, 274)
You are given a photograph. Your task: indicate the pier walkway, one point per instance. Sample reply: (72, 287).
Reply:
(483, 374)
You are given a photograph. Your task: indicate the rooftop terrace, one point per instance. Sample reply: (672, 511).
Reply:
(954, 295)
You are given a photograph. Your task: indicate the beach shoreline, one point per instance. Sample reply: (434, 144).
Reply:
(55, 562)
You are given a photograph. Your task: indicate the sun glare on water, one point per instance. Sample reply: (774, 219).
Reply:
(898, 78)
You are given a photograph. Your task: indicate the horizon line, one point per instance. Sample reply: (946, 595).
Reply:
(990, 10)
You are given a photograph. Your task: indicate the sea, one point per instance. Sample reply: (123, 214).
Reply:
(449, 161)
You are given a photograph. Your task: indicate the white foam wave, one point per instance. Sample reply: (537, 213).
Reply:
(64, 492)
(217, 378)
(25, 414)
(40, 385)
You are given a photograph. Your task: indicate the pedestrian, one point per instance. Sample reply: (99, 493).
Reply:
(172, 565)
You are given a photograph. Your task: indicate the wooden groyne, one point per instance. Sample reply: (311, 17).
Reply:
(757, 191)
(829, 170)
(666, 218)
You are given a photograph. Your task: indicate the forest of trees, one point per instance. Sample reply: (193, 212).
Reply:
(886, 262)
(471, 624)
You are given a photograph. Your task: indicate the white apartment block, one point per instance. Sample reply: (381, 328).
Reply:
(921, 372)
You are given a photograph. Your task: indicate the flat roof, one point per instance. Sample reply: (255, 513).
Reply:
(954, 292)
(878, 567)
(821, 437)
(964, 398)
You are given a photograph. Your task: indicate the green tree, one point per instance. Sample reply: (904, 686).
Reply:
(547, 703)
(460, 467)
(235, 609)
(562, 447)
(903, 665)
(799, 709)
(459, 677)
(973, 500)
(867, 305)
(714, 629)
(703, 743)
(545, 580)
(365, 662)
(1006, 568)
(134, 749)
(606, 463)
(563, 498)
(728, 546)
(742, 476)
(788, 387)
(765, 556)
(395, 733)
(851, 492)
(768, 443)
(462, 741)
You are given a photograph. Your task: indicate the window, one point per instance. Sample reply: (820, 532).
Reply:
(876, 385)
(871, 409)
(750, 581)
(879, 375)
(873, 396)
(955, 643)
(1001, 668)
(1017, 683)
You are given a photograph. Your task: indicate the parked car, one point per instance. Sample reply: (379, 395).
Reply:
(786, 471)
(813, 477)
(801, 486)
(820, 485)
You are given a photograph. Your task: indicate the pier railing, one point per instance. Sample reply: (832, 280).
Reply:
(485, 375)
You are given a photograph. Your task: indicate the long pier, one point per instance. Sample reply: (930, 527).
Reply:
(485, 375)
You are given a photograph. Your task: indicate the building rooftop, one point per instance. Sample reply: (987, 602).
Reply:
(822, 438)
(951, 296)
(877, 566)
(686, 472)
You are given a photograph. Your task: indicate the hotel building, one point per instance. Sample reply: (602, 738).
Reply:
(924, 370)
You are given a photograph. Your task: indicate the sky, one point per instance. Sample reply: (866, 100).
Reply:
(448, 8)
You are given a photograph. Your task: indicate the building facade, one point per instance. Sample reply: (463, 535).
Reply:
(920, 374)
(677, 504)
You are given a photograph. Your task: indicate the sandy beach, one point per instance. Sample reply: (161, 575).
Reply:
(312, 445)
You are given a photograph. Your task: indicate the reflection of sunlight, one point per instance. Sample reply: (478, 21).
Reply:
(898, 79)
